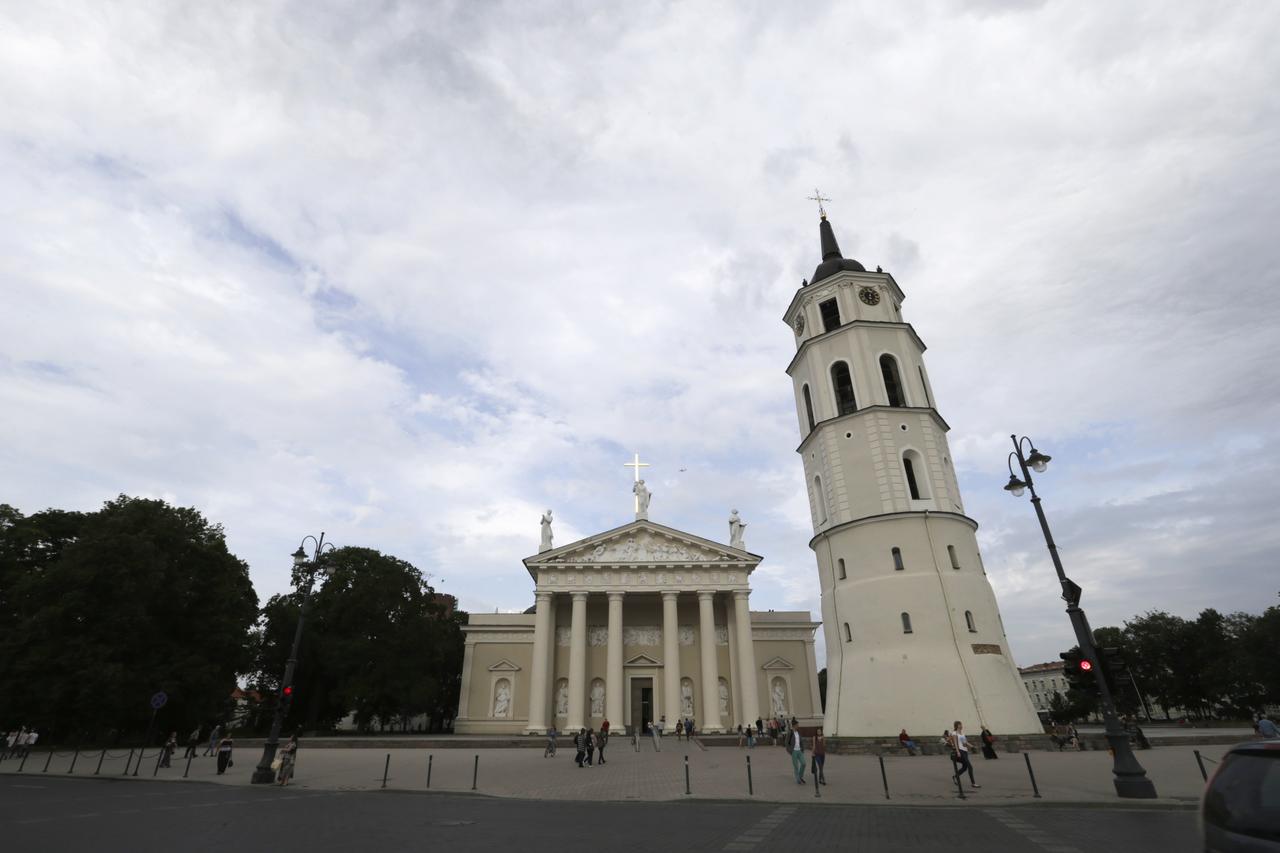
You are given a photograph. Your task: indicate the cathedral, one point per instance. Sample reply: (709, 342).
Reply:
(646, 622)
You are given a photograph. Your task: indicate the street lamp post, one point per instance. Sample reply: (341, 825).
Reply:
(263, 773)
(1130, 778)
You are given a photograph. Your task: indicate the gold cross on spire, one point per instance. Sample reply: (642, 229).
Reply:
(819, 198)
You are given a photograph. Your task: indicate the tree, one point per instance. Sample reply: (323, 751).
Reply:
(104, 609)
(822, 688)
(378, 642)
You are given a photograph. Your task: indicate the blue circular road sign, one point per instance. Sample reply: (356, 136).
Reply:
(158, 701)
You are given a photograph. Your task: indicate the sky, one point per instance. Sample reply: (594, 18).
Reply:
(410, 274)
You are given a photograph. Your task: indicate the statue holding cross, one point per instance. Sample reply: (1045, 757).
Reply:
(641, 492)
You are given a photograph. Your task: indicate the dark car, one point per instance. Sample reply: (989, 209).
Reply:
(1240, 810)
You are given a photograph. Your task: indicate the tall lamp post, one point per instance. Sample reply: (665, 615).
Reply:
(263, 773)
(1130, 778)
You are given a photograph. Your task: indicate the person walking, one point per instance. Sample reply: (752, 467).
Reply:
(551, 742)
(214, 737)
(988, 744)
(689, 730)
(193, 743)
(602, 740)
(907, 743)
(797, 756)
(169, 748)
(224, 754)
(580, 744)
(287, 757)
(960, 754)
(29, 742)
(679, 728)
(751, 737)
(1266, 728)
(818, 771)
(590, 743)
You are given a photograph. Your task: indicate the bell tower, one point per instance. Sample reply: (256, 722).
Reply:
(913, 633)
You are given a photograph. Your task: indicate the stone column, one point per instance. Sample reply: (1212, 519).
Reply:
(539, 677)
(613, 683)
(670, 659)
(748, 678)
(708, 718)
(577, 663)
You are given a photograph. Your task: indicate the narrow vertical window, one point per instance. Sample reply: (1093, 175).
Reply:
(848, 635)
(892, 380)
(840, 564)
(808, 406)
(830, 315)
(842, 384)
(897, 559)
(906, 623)
(928, 401)
(820, 500)
(968, 621)
(917, 476)
(955, 561)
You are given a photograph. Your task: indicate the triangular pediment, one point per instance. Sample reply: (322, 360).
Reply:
(504, 665)
(644, 543)
(778, 663)
(643, 660)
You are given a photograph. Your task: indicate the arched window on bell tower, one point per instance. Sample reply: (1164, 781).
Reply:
(892, 380)
(808, 405)
(820, 499)
(916, 474)
(842, 384)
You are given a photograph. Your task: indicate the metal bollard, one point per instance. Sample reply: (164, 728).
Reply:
(817, 788)
(959, 786)
(101, 755)
(429, 759)
(127, 762)
(386, 767)
(475, 772)
(138, 766)
(23, 763)
(884, 777)
(686, 775)
(74, 756)
(1204, 773)
(1032, 774)
(155, 771)
(47, 761)
(190, 755)
(750, 789)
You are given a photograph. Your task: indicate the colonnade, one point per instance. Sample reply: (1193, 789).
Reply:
(544, 645)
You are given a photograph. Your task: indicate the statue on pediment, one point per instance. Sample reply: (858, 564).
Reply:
(643, 495)
(736, 528)
(546, 532)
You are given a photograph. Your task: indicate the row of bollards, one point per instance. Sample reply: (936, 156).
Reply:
(475, 770)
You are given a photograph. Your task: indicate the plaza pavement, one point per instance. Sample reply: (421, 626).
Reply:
(714, 774)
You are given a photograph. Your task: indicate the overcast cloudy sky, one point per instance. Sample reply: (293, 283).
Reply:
(410, 273)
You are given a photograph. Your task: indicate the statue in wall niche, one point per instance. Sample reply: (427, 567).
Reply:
(643, 496)
(724, 699)
(546, 532)
(502, 698)
(779, 697)
(686, 698)
(736, 527)
(597, 698)
(562, 699)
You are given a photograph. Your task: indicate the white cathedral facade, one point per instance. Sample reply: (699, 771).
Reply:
(913, 634)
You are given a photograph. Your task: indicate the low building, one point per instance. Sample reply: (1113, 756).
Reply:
(1043, 681)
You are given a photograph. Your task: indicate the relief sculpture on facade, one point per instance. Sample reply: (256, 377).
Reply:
(641, 635)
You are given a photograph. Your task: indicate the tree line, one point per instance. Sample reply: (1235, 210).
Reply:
(101, 610)
(1216, 666)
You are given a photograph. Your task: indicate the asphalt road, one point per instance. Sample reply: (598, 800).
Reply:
(52, 814)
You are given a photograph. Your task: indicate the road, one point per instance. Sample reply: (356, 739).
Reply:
(48, 813)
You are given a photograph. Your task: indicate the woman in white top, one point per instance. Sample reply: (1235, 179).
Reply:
(960, 754)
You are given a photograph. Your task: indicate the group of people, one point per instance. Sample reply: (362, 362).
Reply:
(19, 742)
(794, 741)
(589, 744)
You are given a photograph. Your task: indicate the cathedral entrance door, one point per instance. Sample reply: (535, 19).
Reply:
(641, 704)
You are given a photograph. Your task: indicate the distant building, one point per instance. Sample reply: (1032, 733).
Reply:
(1043, 681)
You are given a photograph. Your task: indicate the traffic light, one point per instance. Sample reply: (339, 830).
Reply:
(1074, 663)
(287, 692)
(1114, 665)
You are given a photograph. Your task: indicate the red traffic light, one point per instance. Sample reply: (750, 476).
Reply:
(288, 691)
(1086, 665)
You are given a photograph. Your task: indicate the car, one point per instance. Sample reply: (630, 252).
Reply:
(1240, 808)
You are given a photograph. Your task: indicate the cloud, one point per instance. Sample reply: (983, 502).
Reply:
(410, 277)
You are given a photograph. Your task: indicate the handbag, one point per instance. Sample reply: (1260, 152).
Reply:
(276, 763)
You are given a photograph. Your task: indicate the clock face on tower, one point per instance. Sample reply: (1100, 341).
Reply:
(869, 296)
